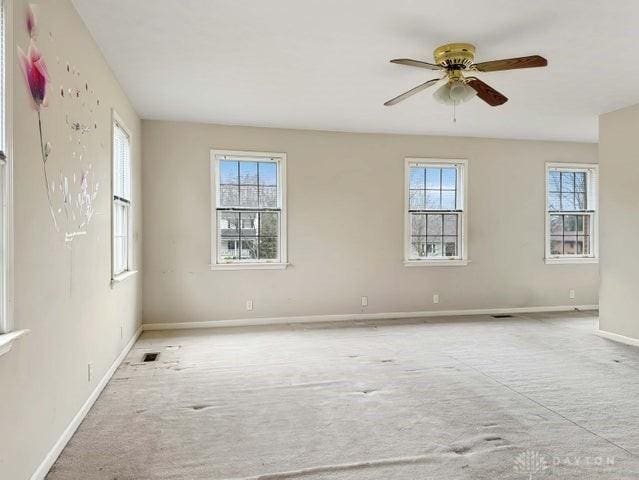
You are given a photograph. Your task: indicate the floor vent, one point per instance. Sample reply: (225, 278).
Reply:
(503, 315)
(150, 357)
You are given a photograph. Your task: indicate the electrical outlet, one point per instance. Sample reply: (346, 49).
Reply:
(436, 298)
(90, 372)
(364, 301)
(249, 305)
(572, 294)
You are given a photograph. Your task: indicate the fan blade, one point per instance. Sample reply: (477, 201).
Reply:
(487, 93)
(416, 63)
(511, 64)
(412, 92)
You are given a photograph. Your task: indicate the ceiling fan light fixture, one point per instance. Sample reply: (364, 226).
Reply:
(454, 93)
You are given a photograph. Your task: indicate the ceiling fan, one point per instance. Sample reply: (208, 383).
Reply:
(456, 59)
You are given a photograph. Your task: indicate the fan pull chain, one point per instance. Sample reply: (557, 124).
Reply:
(454, 113)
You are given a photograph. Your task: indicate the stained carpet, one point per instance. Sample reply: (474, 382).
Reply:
(531, 397)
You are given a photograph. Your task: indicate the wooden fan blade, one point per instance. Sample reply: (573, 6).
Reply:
(416, 63)
(511, 64)
(487, 93)
(412, 92)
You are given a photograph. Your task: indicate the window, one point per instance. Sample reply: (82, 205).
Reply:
(435, 219)
(249, 216)
(5, 176)
(571, 213)
(121, 200)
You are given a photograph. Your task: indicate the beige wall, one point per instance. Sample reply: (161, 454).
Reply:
(63, 295)
(345, 226)
(619, 177)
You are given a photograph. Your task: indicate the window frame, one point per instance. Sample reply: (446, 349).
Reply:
(6, 177)
(461, 165)
(116, 277)
(279, 158)
(592, 205)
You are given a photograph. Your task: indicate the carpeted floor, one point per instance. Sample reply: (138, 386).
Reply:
(532, 397)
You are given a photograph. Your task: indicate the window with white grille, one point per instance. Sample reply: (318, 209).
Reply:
(121, 199)
(571, 212)
(435, 212)
(249, 216)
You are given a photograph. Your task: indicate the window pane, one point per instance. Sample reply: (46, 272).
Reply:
(229, 172)
(580, 182)
(416, 199)
(434, 246)
(554, 181)
(448, 200)
(554, 201)
(450, 224)
(228, 224)
(435, 226)
(417, 178)
(248, 197)
(229, 249)
(418, 224)
(268, 197)
(580, 201)
(556, 245)
(570, 224)
(268, 173)
(567, 182)
(418, 247)
(229, 196)
(248, 224)
(570, 245)
(587, 245)
(249, 249)
(269, 224)
(118, 266)
(567, 201)
(450, 246)
(248, 173)
(433, 178)
(449, 178)
(268, 248)
(433, 199)
(583, 224)
(556, 225)
(580, 245)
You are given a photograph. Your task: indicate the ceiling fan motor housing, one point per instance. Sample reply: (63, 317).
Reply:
(455, 56)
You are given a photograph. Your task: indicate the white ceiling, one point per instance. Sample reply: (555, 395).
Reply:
(323, 64)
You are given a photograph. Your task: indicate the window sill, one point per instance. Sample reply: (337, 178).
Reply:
(437, 263)
(249, 266)
(122, 277)
(568, 261)
(7, 339)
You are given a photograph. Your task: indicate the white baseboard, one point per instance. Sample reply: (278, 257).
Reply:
(59, 445)
(618, 338)
(252, 322)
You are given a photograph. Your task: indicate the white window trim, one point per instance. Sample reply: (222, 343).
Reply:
(592, 176)
(281, 160)
(463, 184)
(130, 271)
(8, 333)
